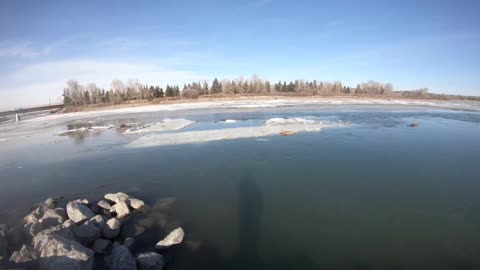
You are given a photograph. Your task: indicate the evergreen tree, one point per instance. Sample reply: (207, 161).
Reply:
(169, 91)
(205, 88)
(267, 86)
(278, 86)
(358, 90)
(86, 95)
(291, 87)
(216, 87)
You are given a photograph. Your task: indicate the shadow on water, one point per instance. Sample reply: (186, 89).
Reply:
(250, 207)
(248, 254)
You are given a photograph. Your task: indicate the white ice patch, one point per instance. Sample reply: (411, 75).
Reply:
(165, 125)
(230, 133)
(230, 121)
(84, 130)
(288, 121)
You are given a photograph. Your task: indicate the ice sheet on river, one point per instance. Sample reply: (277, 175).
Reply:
(272, 126)
(165, 125)
(84, 130)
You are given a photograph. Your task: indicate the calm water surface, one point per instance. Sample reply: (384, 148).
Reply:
(375, 195)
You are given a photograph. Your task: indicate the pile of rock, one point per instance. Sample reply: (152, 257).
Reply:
(69, 237)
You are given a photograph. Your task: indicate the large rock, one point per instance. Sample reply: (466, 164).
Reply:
(78, 212)
(24, 255)
(32, 217)
(51, 218)
(61, 253)
(61, 212)
(95, 209)
(104, 204)
(16, 235)
(150, 261)
(116, 197)
(43, 237)
(98, 221)
(31, 229)
(121, 208)
(87, 232)
(111, 228)
(82, 201)
(174, 238)
(68, 223)
(135, 203)
(50, 202)
(122, 259)
(100, 245)
(37, 213)
(3, 241)
(129, 243)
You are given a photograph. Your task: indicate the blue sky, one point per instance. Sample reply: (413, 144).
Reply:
(411, 44)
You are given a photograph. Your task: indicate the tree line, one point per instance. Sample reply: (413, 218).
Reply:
(76, 94)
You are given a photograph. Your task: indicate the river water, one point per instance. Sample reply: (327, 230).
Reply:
(376, 194)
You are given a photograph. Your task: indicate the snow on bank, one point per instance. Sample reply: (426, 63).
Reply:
(165, 125)
(258, 103)
(288, 125)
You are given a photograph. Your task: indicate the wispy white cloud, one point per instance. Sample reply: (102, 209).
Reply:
(36, 83)
(29, 50)
(23, 50)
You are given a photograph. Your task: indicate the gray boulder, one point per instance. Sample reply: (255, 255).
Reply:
(83, 201)
(68, 223)
(129, 243)
(98, 221)
(32, 217)
(43, 237)
(3, 241)
(122, 259)
(24, 255)
(16, 235)
(61, 212)
(135, 203)
(50, 202)
(150, 261)
(104, 204)
(31, 229)
(78, 212)
(95, 209)
(121, 208)
(173, 238)
(87, 232)
(111, 228)
(116, 197)
(61, 253)
(51, 218)
(100, 245)
(37, 213)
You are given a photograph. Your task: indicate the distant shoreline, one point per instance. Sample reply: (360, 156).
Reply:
(361, 100)
(242, 103)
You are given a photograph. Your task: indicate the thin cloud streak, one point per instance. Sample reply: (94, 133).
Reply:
(41, 81)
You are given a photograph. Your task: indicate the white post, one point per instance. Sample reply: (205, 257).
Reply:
(17, 118)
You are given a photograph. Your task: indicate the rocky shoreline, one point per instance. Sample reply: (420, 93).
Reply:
(79, 234)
